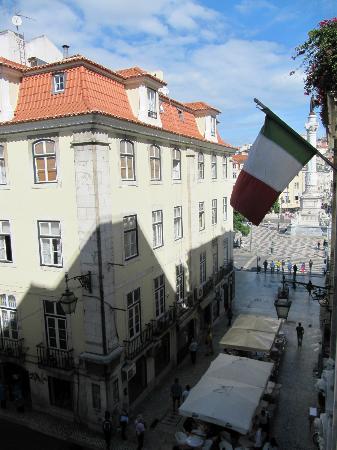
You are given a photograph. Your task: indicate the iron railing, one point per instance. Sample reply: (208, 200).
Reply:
(11, 347)
(164, 322)
(139, 343)
(55, 357)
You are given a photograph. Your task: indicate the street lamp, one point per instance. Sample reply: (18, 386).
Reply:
(282, 303)
(68, 299)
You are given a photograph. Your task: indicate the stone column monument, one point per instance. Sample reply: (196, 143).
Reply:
(308, 219)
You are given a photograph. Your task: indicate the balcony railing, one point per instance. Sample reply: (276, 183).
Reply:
(185, 306)
(164, 322)
(207, 287)
(55, 358)
(152, 114)
(11, 347)
(139, 343)
(228, 267)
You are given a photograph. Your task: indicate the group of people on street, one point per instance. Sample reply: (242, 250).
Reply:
(282, 266)
(107, 427)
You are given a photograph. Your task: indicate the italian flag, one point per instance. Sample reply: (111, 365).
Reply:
(275, 158)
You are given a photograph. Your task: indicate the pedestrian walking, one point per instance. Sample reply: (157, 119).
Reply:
(193, 350)
(140, 431)
(278, 265)
(302, 268)
(123, 422)
(176, 393)
(272, 266)
(107, 429)
(310, 265)
(318, 245)
(283, 265)
(294, 271)
(229, 316)
(290, 266)
(265, 265)
(209, 341)
(300, 333)
(186, 392)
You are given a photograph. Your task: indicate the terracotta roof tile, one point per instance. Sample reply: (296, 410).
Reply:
(86, 91)
(89, 89)
(131, 72)
(171, 120)
(240, 158)
(11, 64)
(200, 106)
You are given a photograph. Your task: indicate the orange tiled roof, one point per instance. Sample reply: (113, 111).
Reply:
(131, 72)
(11, 64)
(91, 88)
(200, 106)
(86, 91)
(240, 158)
(171, 120)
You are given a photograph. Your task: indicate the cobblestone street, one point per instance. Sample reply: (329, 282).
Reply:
(254, 294)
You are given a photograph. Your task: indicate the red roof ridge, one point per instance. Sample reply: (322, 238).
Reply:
(134, 72)
(12, 64)
(200, 106)
(172, 100)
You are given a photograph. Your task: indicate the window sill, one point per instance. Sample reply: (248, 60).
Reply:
(7, 264)
(214, 179)
(176, 181)
(51, 268)
(124, 183)
(50, 185)
(178, 239)
(159, 247)
(5, 187)
(155, 182)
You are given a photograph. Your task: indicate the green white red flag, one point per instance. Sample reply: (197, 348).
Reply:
(275, 158)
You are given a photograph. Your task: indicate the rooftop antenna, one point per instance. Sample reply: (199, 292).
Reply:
(17, 21)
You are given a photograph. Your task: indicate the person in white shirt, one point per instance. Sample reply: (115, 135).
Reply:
(186, 392)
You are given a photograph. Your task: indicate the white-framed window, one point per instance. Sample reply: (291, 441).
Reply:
(225, 212)
(130, 237)
(225, 167)
(178, 222)
(213, 126)
(134, 320)
(59, 82)
(152, 103)
(157, 228)
(180, 114)
(5, 242)
(8, 317)
(214, 211)
(56, 325)
(176, 164)
(44, 156)
(155, 163)
(180, 283)
(3, 177)
(201, 216)
(215, 255)
(50, 243)
(127, 155)
(202, 267)
(159, 295)
(214, 169)
(201, 166)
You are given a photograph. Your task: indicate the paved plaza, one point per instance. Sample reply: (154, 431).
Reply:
(254, 294)
(297, 249)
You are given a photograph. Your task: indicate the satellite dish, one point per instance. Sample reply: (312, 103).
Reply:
(17, 21)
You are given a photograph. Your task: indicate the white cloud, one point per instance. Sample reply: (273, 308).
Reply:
(185, 39)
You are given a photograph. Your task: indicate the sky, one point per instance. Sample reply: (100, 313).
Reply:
(223, 52)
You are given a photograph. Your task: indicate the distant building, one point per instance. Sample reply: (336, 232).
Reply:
(238, 161)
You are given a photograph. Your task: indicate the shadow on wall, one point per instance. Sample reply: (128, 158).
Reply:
(135, 323)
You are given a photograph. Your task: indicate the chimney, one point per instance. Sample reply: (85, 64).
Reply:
(33, 61)
(65, 51)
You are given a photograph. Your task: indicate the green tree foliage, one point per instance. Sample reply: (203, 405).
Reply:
(276, 207)
(239, 223)
(319, 53)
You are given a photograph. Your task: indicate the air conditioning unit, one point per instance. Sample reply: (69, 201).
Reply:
(129, 371)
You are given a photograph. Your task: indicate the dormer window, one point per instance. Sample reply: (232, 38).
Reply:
(152, 103)
(181, 115)
(59, 82)
(213, 126)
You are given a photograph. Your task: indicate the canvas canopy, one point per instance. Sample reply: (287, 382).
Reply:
(229, 392)
(258, 323)
(248, 340)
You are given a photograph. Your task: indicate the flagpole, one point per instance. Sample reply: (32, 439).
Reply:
(270, 113)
